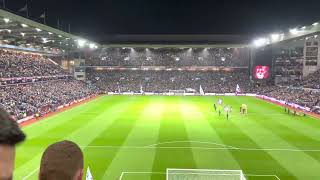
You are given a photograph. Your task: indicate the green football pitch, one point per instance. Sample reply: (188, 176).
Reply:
(139, 137)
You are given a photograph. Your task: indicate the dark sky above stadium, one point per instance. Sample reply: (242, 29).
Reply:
(95, 19)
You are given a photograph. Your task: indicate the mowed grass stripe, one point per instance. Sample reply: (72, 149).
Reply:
(249, 161)
(199, 130)
(99, 159)
(172, 129)
(294, 162)
(145, 132)
(82, 135)
(297, 126)
(52, 130)
(41, 126)
(295, 138)
(182, 119)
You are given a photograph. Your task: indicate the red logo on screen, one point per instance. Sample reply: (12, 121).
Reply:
(261, 72)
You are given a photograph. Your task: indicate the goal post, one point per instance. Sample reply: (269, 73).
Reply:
(204, 174)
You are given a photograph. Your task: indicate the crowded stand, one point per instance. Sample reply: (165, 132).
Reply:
(289, 62)
(134, 57)
(165, 81)
(312, 81)
(19, 64)
(302, 97)
(43, 97)
(33, 85)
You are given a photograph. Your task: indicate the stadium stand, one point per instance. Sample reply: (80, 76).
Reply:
(177, 57)
(19, 64)
(43, 97)
(164, 81)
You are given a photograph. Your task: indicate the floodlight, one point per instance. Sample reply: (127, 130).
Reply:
(50, 33)
(81, 42)
(59, 36)
(6, 20)
(304, 27)
(24, 25)
(315, 24)
(23, 34)
(275, 37)
(9, 31)
(260, 42)
(294, 31)
(92, 46)
(315, 36)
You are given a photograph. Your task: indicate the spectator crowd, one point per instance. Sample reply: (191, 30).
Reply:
(165, 81)
(169, 57)
(20, 64)
(43, 97)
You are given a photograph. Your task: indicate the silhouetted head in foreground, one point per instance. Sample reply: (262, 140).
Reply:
(10, 136)
(62, 161)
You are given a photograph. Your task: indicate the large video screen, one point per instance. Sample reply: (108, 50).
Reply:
(261, 72)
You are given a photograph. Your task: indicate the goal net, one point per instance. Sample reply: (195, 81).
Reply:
(204, 174)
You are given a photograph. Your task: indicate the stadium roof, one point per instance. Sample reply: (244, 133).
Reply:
(311, 31)
(175, 40)
(22, 33)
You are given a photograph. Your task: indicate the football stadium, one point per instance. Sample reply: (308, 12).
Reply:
(157, 106)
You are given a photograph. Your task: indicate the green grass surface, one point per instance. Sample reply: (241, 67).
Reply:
(150, 134)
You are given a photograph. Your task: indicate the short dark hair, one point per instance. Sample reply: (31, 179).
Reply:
(10, 132)
(61, 161)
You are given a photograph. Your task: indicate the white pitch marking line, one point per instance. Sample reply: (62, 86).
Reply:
(121, 176)
(277, 177)
(30, 174)
(204, 148)
(200, 142)
(260, 175)
(124, 173)
(264, 175)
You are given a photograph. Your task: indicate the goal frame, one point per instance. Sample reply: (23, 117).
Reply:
(241, 174)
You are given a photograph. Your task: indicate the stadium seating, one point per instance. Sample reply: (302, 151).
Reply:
(17, 64)
(43, 97)
(164, 81)
(171, 57)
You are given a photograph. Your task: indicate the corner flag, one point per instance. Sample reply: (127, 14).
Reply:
(89, 175)
(201, 91)
(238, 90)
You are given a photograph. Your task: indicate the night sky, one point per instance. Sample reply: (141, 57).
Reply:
(95, 19)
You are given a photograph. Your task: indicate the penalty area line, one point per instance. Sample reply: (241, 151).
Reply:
(207, 174)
